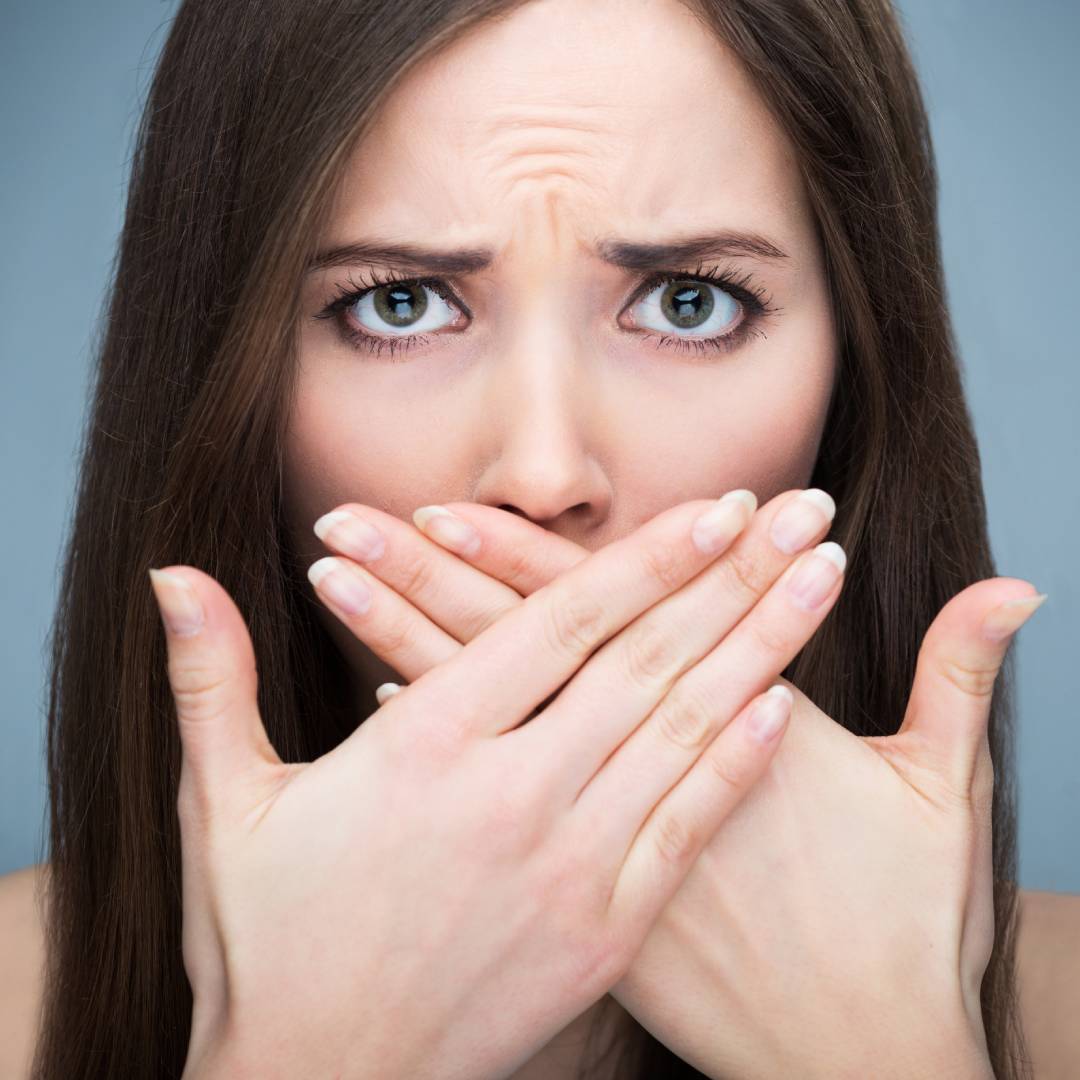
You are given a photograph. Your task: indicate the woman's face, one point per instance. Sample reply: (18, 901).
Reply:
(559, 378)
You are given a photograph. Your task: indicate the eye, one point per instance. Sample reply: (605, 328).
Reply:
(393, 314)
(376, 314)
(703, 311)
(400, 309)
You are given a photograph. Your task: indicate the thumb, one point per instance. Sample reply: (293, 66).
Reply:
(949, 708)
(214, 683)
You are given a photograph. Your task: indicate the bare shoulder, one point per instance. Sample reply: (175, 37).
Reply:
(22, 944)
(1048, 978)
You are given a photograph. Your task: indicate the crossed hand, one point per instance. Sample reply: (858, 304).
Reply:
(450, 886)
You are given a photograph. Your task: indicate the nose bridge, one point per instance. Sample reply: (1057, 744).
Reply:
(543, 401)
(542, 386)
(543, 337)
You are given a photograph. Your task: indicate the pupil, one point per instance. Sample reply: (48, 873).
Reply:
(393, 302)
(687, 304)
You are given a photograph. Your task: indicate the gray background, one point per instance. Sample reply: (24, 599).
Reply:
(1001, 84)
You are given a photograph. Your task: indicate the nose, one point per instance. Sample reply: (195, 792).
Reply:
(543, 453)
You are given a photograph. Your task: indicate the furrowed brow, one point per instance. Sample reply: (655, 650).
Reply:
(641, 256)
(630, 255)
(410, 258)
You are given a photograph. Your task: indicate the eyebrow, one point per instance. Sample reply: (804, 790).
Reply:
(630, 255)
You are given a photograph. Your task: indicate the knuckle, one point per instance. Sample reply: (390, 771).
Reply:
(649, 656)
(724, 769)
(517, 565)
(769, 636)
(744, 577)
(976, 681)
(664, 564)
(574, 624)
(394, 638)
(685, 719)
(675, 840)
(200, 693)
(416, 577)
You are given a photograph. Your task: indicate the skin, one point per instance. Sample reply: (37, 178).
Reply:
(492, 186)
(544, 401)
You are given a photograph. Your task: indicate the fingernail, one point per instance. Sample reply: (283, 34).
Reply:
(447, 529)
(357, 538)
(386, 691)
(1007, 618)
(342, 586)
(722, 522)
(770, 712)
(801, 520)
(178, 603)
(816, 575)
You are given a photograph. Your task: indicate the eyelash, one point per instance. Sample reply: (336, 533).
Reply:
(751, 297)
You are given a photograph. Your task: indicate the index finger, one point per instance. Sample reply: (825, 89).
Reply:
(497, 679)
(515, 551)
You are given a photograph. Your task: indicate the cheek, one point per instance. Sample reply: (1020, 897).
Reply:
(755, 421)
(340, 446)
(322, 460)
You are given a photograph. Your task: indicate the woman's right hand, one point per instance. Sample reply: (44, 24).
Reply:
(433, 898)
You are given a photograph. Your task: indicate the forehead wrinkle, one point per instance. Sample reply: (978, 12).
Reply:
(533, 116)
(538, 149)
(544, 227)
(579, 160)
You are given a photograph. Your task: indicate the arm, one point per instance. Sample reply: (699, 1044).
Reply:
(1048, 977)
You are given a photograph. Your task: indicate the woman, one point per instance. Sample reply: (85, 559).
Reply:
(535, 384)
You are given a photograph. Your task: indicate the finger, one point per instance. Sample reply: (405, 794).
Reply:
(211, 667)
(672, 837)
(631, 675)
(701, 703)
(458, 598)
(512, 549)
(441, 589)
(542, 642)
(381, 618)
(961, 654)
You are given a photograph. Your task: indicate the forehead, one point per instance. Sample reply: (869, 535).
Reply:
(636, 115)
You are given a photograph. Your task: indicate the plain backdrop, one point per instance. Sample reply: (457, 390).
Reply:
(1001, 83)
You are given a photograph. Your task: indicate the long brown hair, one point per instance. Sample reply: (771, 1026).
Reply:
(251, 116)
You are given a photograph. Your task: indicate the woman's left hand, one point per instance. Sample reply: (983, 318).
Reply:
(840, 922)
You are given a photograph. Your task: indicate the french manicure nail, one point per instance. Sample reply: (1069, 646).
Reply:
(386, 691)
(357, 538)
(178, 603)
(723, 521)
(1007, 618)
(344, 587)
(816, 575)
(770, 713)
(448, 529)
(800, 520)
